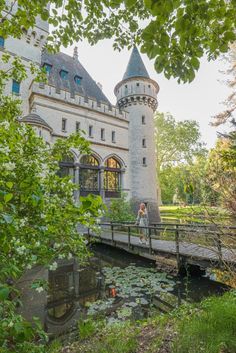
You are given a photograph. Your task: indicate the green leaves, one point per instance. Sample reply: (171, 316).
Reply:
(8, 197)
(176, 33)
(4, 292)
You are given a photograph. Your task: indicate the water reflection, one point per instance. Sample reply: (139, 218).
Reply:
(75, 291)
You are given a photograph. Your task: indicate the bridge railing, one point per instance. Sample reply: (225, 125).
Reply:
(217, 239)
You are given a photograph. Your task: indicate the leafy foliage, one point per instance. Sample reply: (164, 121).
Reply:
(177, 144)
(120, 210)
(222, 171)
(176, 33)
(38, 215)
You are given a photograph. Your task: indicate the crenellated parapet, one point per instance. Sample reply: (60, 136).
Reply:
(76, 99)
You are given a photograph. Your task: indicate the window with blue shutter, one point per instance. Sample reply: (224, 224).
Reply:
(64, 74)
(78, 80)
(15, 87)
(47, 68)
(2, 41)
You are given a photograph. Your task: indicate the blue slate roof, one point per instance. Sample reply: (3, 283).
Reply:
(135, 67)
(35, 119)
(61, 61)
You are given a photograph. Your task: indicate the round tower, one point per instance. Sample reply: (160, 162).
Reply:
(137, 94)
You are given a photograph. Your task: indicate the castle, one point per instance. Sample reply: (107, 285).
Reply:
(121, 136)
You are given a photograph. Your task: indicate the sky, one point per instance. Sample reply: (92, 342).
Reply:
(199, 100)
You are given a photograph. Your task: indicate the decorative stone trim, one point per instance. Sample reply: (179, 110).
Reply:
(138, 99)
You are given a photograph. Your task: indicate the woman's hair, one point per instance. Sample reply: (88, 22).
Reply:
(142, 206)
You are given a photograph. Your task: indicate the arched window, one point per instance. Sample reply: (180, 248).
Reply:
(112, 178)
(61, 293)
(89, 175)
(67, 167)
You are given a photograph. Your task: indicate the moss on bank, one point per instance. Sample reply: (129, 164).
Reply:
(208, 327)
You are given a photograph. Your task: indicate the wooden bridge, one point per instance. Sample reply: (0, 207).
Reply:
(205, 246)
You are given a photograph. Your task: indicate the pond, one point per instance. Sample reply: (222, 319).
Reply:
(113, 284)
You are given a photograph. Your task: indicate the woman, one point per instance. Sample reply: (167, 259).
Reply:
(142, 221)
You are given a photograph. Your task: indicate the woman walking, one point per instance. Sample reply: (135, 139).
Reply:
(142, 221)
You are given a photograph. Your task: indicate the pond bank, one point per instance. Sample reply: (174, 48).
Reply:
(207, 327)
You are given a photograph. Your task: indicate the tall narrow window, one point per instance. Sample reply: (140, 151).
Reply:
(2, 42)
(113, 136)
(144, 161)
(143, 119)
(15, 87)
(77, 126)
(90, 130)
(89, 175)
(63, 124)
(144, 143)
(112, 178)
(64, 74)
(103, 134)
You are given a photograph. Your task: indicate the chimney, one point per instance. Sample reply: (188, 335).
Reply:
(75, 54)
(99, 85)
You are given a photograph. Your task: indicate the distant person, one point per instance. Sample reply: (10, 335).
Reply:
(142, 221)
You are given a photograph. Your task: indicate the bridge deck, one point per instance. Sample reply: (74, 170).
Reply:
(190, 252)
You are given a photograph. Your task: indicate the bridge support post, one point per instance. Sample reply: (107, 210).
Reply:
(112, 234)
(177, 247)
(128, 237)
(219, 248)
(150, 240)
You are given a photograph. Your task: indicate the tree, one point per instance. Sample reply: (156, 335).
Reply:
(175, 33)
(38, 215)
(222, 171)
(230, 103)
(176, 142)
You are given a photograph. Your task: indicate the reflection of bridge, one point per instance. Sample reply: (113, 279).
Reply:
(205, 246)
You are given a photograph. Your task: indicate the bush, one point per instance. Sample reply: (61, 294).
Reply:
(120, 210)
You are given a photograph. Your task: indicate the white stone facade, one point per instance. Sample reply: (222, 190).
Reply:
(124, 133)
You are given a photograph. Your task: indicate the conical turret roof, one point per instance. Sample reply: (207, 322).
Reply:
(135, 67)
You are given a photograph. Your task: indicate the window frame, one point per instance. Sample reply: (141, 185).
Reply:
(90, 132)
(144, 161)
(77, 126)
(64, 125)
(47, 66)
(78, 83)
(113, 136)
(103, 134)
(15, 87)
(62, 72)
(2, 42)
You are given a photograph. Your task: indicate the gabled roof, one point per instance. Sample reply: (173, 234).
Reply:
(35, 119)
(135, 67)
(61, 61)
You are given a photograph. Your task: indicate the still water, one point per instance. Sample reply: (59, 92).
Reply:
(113, 284)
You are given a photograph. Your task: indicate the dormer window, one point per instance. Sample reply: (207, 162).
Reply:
(64, 74)
(78, 80)
(47, 68)
(2, 42)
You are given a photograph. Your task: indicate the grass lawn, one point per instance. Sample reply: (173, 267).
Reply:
(208, 327)
(194, 213)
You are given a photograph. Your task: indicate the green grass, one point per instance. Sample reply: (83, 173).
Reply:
(193, 213)
(212, 329)
(208, 327)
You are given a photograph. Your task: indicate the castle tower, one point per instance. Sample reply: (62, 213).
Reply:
(29, 48)
(137, 94)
